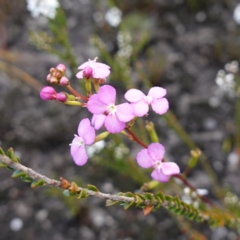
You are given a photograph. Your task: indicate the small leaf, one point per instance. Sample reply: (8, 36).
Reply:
(149, 196)
(27, 179)
(3, 165)
(66, 193)
(129, 194)
(92, 188)
(147, 209)
(180, 211)
(83, 194)
(73, 189)
(177, 201)
(2, 152)
(110, 203)
(37, 183)
(121, 194)
(193, 215)
(161, 196)
(10, 153)
(159, 204)
(18, 173)
(138, 200)
(10, 168)
(128, 205)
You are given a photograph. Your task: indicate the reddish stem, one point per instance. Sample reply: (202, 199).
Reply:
(75, 93)
(186, 183)
(135, 138)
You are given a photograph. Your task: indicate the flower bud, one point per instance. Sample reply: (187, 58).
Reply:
(61, 68)
(53, 80)
(48, 93)
(64, 81)
(48, 78)
(52, 70)
(88, 72)
(61, 97)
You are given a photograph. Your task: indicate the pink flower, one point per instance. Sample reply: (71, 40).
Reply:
(152, 157)
(141, 102)
(86, 136)
(48, 93)
(64, 81)
(102, 105)
(93, 69)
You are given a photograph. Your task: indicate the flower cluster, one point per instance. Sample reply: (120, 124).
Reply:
(114, 117)
(49, 93)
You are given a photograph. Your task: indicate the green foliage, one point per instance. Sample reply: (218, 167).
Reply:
(37, 183)
(92, 188)
(83, 194)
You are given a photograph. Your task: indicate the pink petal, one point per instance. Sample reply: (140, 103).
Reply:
(102, 65)
(86, 64)
(170, 168)
(79, 155)
(83, 125)
(107, 94)
(101, 73)
(157, 92)
(125, 112)
(113, 125)
(134, 95)
(89, 136)
(95, 106)
(160, 106)
(144, 160)
(159, 175)
(141, 108)
(156, 151)
(80, 74)
(98, 120)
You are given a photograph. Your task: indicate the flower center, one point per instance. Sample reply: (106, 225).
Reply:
(111, 109)
(158, 165)
(148, 99)
(79, 142)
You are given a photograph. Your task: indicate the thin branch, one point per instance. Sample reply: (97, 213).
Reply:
(52, 182)
(31, 173)
(64, 184)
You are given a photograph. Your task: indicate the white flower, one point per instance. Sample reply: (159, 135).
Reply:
(236, 14)
(113, 16)
(95, 148)
(44, 7)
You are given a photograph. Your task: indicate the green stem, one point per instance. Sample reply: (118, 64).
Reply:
(75, 93)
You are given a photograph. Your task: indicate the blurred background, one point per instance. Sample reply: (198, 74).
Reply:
(189, 47)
